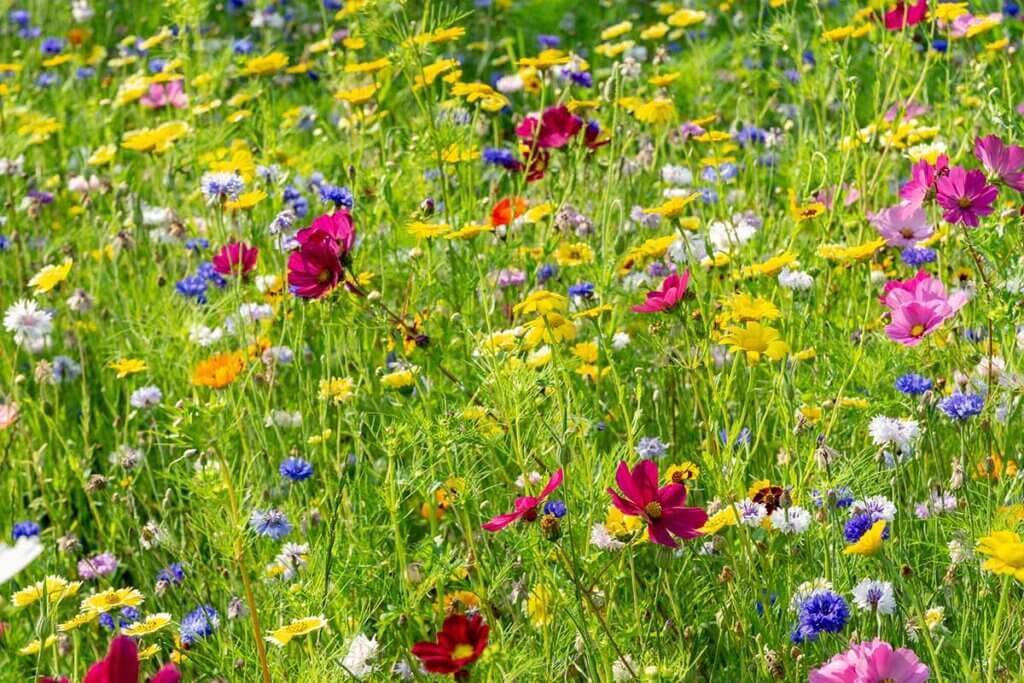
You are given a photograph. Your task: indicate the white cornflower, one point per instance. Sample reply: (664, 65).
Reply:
(899, 432)
(29, 323)
(795, 279)
(874, 596)
(360, 651)
(620, 340)
(726, 236)
(679, 176)
(602, 538)
(879, 507)
(284, 419)
(751, 513)
(202, 335)
(791, 520)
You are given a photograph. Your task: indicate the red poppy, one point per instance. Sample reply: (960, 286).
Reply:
(236, 258)
(526, 506)
(663, 509)
(505, 211)
(460, 643)
(671, 293)
(121, 665)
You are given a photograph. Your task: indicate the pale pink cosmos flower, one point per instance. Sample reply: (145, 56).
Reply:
(160, 96)
(8, 414)
(903, 225)
(919, 306)
(872, 662)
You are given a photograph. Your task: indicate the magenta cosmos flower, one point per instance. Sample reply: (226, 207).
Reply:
(236, 258)
(526, 506)
(663, 509)
(965, 195)
(333, 228)
(923, 176)
(121, 665)
(557, 126)
(905, 15)
(671, 293)
(902, 226)
(919, 306)
(1001, 160)
(316, 268)
(872, 662)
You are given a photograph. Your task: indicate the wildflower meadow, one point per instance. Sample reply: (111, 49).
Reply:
(511, 340)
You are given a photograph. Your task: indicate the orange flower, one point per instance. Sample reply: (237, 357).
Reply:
(507, 210)
(219, 370)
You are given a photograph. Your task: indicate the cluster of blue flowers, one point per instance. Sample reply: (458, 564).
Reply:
(822, 612)
(194, 286)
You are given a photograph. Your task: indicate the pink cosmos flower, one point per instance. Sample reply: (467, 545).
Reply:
(8, 414)
(921, 187)
(913, 322)
(924, 288)
(872, 662)
(1002, 160)
(159, 96)
(663, 509)
(828, 195)
(965, 195)
(905, 15)
(672, 290)
(525, 506)
(121, 665)
(331, 227)
(557, 127)
(919, 306)
(235, 258)
(903, 225)
(909, 108)
(314, 270)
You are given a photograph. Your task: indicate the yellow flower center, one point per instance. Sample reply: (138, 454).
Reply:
(462, 650)
(653, 510)
(964, 202)
(917, 330)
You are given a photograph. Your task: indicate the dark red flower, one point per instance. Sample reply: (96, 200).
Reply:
(662, 508)
(460, 642)
(314, 270)
(236, 258)
(121, 665)
(334, 227)
(556, 128)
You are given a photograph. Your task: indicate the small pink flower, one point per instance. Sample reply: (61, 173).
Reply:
(921, 187)
(872, 662)
(903, 225)
(235, 258)
(335, 228)
(671, 293)
(663, 509)
(8, 414)
(905, 15)
(922, 287)
(557, 126)
(1001, 160)
(525, 506)
(965, 195)
(159, 96)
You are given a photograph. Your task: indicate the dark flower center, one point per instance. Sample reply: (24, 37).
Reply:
(653, 510)
(964, 202)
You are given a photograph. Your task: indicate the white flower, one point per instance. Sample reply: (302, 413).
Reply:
(360, 651)
(900, 432)
(81, 11)
(255, 312)
(600, 536)
(687, 249)
(30, 324)
(621, 669)
(679, 176)
(874, 596)
(155, 215)
(620, 340)
(726, 236)
(284, 419)
(509, 84)
(795, 279)
(751, 513)
(534, 477)
(791, 520)
(879, 507)
(204, 336)
(15, 558)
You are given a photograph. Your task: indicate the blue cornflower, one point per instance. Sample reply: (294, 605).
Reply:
(243, 46)
(751, 135)
(582, 79)
(792, 75)
(19, 17)
(192, 287)
(84, 72)
(1011, 8)
(824, 612)
(497, 156)
(5, 243)
(708, 196)
(156, 65)
(840, 498)
(742, 439)
(858, 525)
(760, 605)
(197, 244)
(65, 369)
(584, 290)
(221, 185)
(339, 196)
(144, 398)
(51, 46)
(296, 469)
(272, 523)
(546, 272)
(555, 508)
(913, 384)
(26, 529)
(207, 272)
(940, 44)
(962, 407)
(172, 574)
(48, 79)
(651, 447)
(808, 58)
(199, 623)
(918, 256)
(548, 41)
(127, 617)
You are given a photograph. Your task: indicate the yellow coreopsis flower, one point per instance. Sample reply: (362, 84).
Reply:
(725, 517)
(540, 301)
(544, 59)
(655, 31)
(128, 366)
(571, 254)
(151, 624)
(686, 17)
(421, 230)
(772, 266)
(36, 646)
(755, 340)
(539, 607)
(550, 328)
(368, 67)
(102, 156)
(300, 627)
(742, 307)
(336, 389)
(360, 95)
(113, 598)
(156, 140)
(265, 65)
(843, 254)
(837, 35)
(50, 276)
(616, 30)
(78, 620)
(1006, 554)
(399, 379)
(658, 111)
(246, 200)
(868, 544)
(586, 352)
